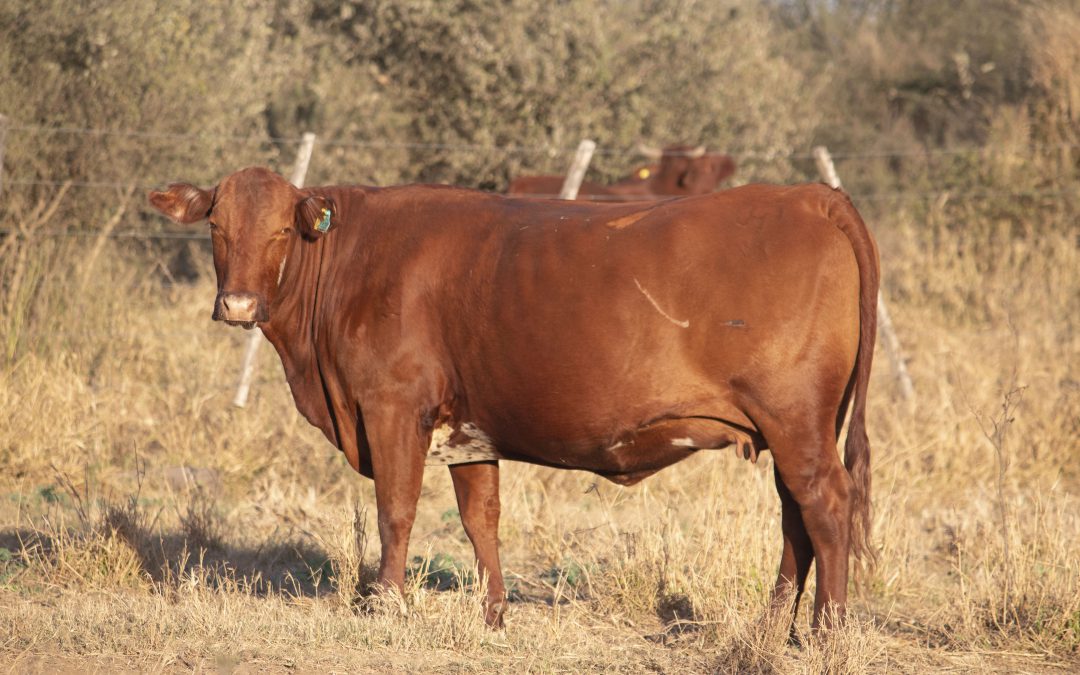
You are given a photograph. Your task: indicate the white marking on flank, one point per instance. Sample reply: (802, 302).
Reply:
(680, 324)
(478, 448)
(684, 442)
(617, 446)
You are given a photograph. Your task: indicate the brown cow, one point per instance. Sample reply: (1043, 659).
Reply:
(682, 171)
(437, 325)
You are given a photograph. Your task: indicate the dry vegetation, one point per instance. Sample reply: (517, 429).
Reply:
(145, 524)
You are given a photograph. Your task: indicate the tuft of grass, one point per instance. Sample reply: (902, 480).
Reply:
(200, 522)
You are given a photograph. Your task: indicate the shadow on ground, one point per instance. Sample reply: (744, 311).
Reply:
(296, 568)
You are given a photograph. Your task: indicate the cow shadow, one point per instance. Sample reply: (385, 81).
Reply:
(295, 568)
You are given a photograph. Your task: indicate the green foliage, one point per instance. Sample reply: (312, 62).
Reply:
(570, 573)
(385, 80)
(11, 564)
(440, 572)
(127, 65)
(542, 76)
(374, 73)
(50, 495)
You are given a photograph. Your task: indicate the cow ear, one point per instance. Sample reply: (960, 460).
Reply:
(725, 167)
(183, 202)
(315, 216)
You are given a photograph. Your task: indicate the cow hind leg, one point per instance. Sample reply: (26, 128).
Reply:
(477, 487)
(815, 482)
(796, 558)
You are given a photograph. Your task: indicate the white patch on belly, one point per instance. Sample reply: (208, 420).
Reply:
(478, 448)
(684, 443)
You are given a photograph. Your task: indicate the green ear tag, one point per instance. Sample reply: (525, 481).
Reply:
(324, 224)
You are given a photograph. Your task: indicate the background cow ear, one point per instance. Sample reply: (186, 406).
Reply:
(183, 202)
(315, 216)
(725, 167)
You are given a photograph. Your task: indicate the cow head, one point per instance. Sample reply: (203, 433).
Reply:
(256, 219)
(687, 169)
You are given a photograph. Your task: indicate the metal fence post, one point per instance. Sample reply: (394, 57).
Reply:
(576, 174)
(885, 325)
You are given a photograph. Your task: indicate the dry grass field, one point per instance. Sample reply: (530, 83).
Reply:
(146, 524)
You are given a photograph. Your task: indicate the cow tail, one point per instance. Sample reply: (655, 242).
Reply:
(857, 447)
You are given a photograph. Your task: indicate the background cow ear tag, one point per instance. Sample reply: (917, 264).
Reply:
(324, 223)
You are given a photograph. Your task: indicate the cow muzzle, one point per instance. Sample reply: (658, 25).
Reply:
(240, 309)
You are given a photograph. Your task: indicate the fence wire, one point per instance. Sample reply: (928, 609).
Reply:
(192, 235)
(876, 197)
(749, 154)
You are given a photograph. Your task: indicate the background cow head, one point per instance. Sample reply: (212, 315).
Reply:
(257, 218)
(687, 170)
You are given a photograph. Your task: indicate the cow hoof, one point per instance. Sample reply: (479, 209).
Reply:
(493, 615)
(386, 601)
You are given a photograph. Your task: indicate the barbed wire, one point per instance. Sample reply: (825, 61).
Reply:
(868, 196)
(746, 154)
(90, 234)
(336, 142)
(953, 192)
(214, 330)
(81, 184)
(175, 136)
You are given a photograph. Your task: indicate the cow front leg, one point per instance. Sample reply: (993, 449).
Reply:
(397, 462)
(477, 488)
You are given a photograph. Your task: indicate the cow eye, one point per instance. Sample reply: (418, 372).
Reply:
(211, 224)
(286, 230)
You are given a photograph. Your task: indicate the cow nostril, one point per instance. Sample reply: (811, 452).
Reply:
(239, 306)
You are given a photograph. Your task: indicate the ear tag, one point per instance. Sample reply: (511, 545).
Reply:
(324, 224)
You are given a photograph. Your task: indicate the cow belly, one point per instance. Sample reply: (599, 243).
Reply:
(627, 455)
(459, 446)
(662, 443)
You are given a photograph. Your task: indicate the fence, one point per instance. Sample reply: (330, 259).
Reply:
(743, 155)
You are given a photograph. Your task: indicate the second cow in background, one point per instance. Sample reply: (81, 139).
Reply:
(683, 170)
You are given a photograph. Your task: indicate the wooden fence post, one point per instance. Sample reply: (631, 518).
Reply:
(247, 370)
(576, 174)
(885, 326)
(3, 138)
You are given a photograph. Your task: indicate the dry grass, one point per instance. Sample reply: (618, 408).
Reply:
(145, 524)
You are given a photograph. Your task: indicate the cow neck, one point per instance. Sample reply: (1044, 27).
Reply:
(294, 326)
